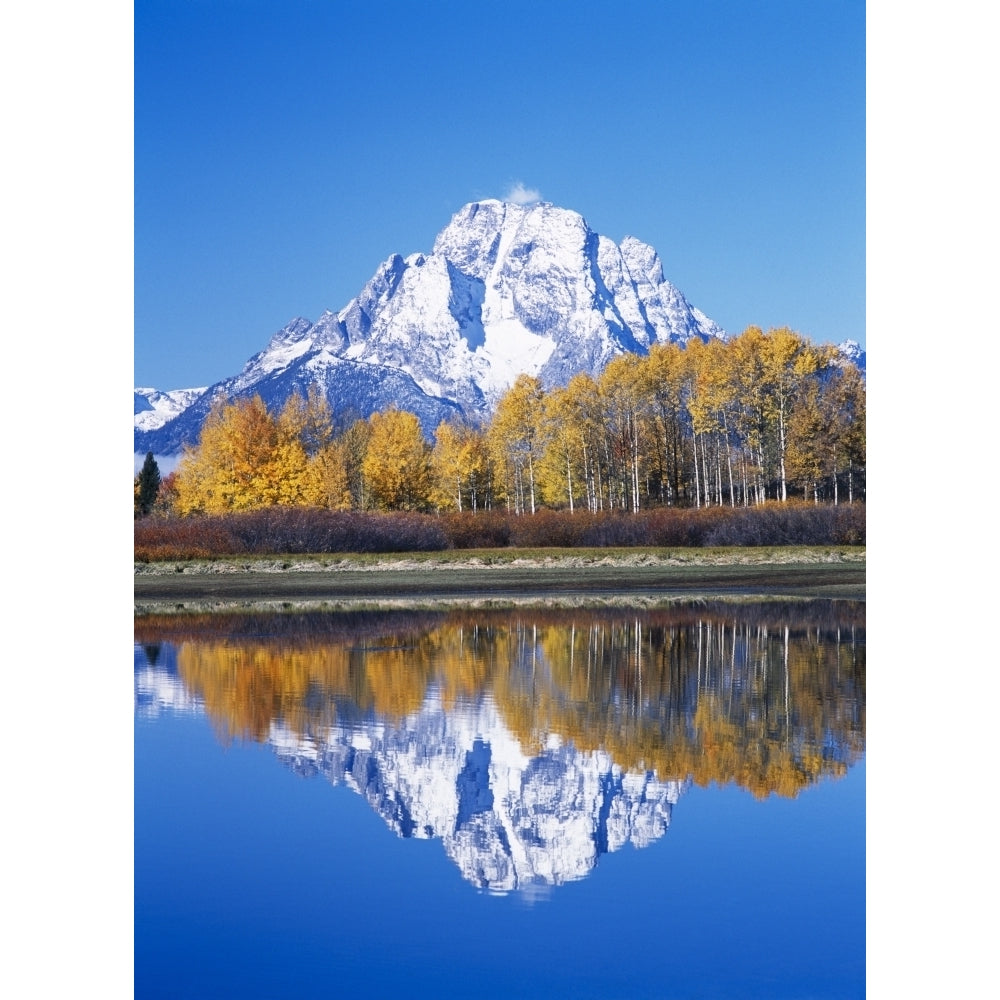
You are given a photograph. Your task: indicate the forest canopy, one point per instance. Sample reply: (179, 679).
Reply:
(761, 417)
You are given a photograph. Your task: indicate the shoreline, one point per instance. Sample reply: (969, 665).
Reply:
(506, 576)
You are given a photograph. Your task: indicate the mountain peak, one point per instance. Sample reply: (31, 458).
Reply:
(510, 287)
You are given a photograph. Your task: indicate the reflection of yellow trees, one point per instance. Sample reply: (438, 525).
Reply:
(701, 693)
(247, 687)
(396, 679)
(716, 701)
(463, 656)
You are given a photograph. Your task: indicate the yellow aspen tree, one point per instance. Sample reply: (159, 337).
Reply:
(620, 387)
(826, 428)
(514, 440)
(198, 472)
(295, 480)
(479, 468)
(329, 465)
(806, 446)
(448, 466)
(709, 404)
(787, 360)
(397, 462)
(851, 410)
(561, 471)
(309, 419)
(459, 466)
(246, 459)
(587, 408)
(227, 470)
(667, 386)
(353, 447)
(746, 357)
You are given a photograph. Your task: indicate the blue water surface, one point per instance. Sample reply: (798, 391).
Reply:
(251, 881)
(469, 805)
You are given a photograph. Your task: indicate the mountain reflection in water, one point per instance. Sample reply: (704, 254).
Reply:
(529, 742)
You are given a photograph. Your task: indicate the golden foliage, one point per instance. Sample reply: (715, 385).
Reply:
(397, 462)
(735, 423)
(247, 459)
(460, 467)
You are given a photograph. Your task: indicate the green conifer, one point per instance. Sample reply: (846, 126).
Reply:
(149, 484)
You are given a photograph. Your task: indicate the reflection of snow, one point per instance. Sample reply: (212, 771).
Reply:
(507, 820)
(156, 692)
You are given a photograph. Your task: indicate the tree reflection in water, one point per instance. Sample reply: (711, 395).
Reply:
(532, 741)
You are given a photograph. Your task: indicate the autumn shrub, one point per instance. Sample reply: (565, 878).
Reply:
(671, 527)
(612, 529)
(488, 529)
(791, 523)
(849, 524)
(548, 529)
(178, 538)
(286, 531)
(300, 530)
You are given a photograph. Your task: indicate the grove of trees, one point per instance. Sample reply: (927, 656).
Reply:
(762, 417)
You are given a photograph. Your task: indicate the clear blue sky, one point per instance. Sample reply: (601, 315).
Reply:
(283, 150)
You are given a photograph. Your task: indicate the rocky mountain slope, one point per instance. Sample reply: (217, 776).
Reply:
(506, 289)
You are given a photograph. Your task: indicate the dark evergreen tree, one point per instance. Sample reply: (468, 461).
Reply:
(149, 485)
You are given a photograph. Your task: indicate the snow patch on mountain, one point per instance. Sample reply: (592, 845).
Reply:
(154, 408)
(851, 351)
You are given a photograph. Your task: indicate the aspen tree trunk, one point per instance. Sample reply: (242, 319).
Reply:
(787, 727)
(673, 468)
(635, 465)
(781, 449)
(569, 483)
(718, 467)
(666, 459)
(610, 467)
(697, 488)
(706, 482)
(729, 460)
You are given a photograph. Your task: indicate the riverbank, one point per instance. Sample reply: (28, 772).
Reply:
(592, 576)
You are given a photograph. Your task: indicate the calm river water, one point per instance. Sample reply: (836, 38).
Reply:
(516, 803)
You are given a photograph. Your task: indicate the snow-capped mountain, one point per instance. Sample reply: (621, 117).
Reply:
(851, 351)
(153, 408)
(507, 289)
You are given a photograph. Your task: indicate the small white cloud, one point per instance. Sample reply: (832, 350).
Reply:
(520, 195)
